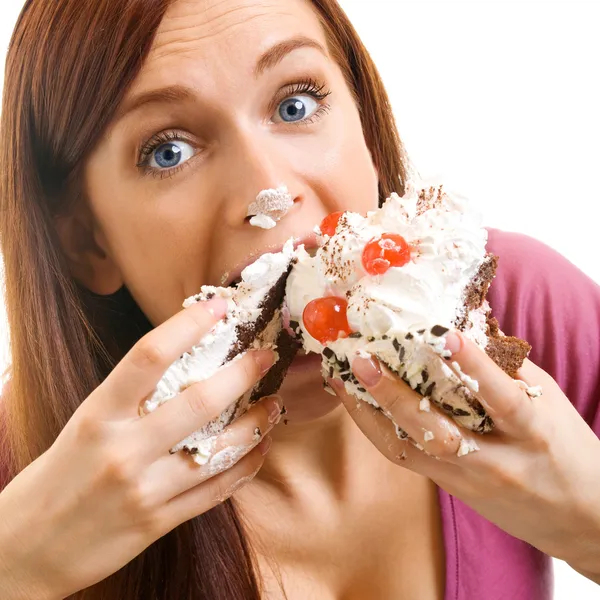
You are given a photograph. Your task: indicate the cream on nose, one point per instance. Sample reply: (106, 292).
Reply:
(269, 207)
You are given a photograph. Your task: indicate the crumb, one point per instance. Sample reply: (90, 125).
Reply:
(466, 447)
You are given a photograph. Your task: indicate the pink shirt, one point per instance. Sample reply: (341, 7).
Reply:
(541, 297)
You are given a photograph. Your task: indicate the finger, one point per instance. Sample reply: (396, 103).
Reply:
(431, 429)
(214, 491)
(202, 402)
(382, 433)
(172, 475)
(535, 377)
(504, 400)
(136, 376)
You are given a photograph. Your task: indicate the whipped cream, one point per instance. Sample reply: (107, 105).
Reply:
(401, 316)
(269, 207)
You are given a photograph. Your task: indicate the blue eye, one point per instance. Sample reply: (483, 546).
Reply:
(171, 154)
(297, 109)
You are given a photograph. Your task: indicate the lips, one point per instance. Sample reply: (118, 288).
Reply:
(234, 277)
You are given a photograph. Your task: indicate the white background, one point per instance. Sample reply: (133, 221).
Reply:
(501, 99)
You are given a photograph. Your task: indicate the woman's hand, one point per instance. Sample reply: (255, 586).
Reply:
(537, 475)
(108, 487)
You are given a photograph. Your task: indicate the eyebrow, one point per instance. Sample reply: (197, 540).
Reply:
(277, 53)
(172, 93)
(180, 93)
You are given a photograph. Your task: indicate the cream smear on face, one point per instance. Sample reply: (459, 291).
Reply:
(269, 207)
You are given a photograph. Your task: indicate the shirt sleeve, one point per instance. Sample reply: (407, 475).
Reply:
(541, 297)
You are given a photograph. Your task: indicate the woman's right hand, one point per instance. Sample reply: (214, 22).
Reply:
(108, 487)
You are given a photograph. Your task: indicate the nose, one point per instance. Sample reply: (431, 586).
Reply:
(256, 164)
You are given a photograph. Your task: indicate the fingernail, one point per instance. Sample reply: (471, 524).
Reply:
(265, 445)
(216, 306)
(265, 359)
(453, 342)
(273, 405)
(367, 370)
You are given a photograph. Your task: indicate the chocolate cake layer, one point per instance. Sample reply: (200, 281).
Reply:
(248, 332)
(506, 351)
(287, 348)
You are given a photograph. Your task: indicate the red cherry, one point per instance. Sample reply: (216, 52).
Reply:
(330, 222)
(326, 320)
(381, 253)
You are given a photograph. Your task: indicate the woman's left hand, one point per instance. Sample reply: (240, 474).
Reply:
(537, 475)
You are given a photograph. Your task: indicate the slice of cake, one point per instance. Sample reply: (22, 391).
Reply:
(391, 285)
(253, 321)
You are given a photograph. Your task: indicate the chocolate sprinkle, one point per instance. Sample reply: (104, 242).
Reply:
(409, 336)
(402, 353)
(345, 376)
(356, 335)
(421, 331)
(294, 325)
(459, 412)
(328, 353)
(439, 331)
(425, 375)
(430, 389)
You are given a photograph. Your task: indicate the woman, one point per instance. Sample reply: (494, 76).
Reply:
(134, 136)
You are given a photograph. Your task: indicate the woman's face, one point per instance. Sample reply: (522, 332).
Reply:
(236, 96)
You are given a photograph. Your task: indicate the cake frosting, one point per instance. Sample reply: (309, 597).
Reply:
(253, 321)
(401, 314)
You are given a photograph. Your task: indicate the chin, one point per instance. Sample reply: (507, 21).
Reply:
(302, 391)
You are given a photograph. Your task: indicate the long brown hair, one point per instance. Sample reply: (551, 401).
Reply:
(68, 67)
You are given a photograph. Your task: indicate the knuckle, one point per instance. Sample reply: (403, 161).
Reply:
(392, 401)
(512, 405)
(249, 368)
(197, 397)
(147, 354)
(503, 476)
(540, 442)
(201, 320)
(444, 449)
(117, 470)
(90, 430)
(139, 508)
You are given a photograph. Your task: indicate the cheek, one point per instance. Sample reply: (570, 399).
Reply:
(153, 239)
